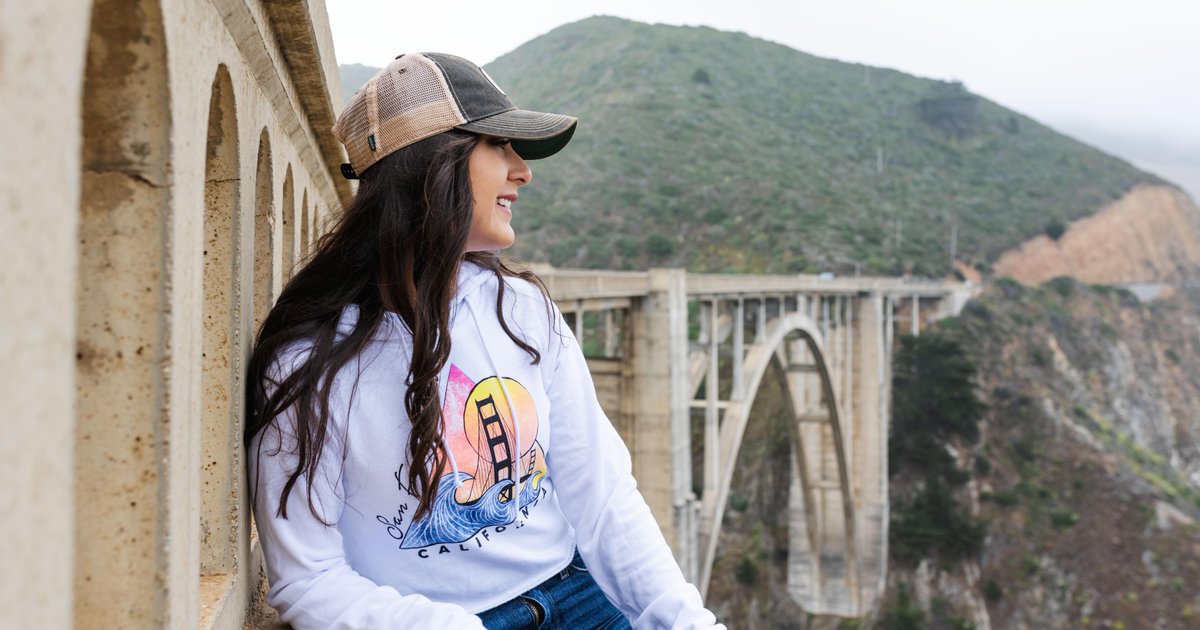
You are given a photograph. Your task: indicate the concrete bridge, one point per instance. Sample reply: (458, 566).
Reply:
(668, 349)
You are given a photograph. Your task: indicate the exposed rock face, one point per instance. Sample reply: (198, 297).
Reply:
(1091, 483)
(1152, 234)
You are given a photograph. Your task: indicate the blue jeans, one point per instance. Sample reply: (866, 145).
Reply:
(570, 600)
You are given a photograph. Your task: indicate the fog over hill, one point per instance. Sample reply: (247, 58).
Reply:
(1175, 161)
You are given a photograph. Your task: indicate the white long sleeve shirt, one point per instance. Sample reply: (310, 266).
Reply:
(535, 469)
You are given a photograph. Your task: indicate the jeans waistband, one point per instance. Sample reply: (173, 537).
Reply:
(575, 566)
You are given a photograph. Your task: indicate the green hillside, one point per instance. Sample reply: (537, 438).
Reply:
(717, 151)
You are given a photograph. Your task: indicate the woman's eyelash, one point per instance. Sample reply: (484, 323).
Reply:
(501, 142)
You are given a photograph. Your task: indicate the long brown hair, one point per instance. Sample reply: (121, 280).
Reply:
(397, 246)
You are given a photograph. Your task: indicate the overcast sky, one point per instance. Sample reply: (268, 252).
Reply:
(1120, 74)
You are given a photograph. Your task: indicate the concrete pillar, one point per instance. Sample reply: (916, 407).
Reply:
(43, 60)
(739, 332)
(916, 315)
(804, 559)
(712, 418)
(825, 322)
(833, 346)
(610, 333)
(761, 322)
(266, 240)
(656, 392)
(125, 339)
(889, 329)
(869, 465)
(846, 363)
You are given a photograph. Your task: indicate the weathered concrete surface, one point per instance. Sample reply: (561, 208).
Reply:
(39, 94)
(128, 220)
(870, 399)
(654, 388)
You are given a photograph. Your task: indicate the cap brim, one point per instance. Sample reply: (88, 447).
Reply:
(534, 135)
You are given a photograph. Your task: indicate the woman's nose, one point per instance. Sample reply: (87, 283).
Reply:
(518, 170)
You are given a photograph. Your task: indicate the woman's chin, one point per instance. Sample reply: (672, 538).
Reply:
(492, 245)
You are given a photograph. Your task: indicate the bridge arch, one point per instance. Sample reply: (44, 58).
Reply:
(793, 345)
(831, 342)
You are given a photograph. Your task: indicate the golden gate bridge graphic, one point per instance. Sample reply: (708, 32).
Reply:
(497, 441)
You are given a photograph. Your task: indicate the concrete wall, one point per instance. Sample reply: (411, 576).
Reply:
(157, 154)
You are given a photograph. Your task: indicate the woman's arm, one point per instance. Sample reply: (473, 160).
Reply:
(616, 533)
(311, 583)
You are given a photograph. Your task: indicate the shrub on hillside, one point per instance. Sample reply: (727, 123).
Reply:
(746, 571)
(659, 246)
(1055, 229)
(933, 524)
(902, 613)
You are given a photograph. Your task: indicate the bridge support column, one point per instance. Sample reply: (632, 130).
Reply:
(656, 392)
(916, 315)
(869, 399)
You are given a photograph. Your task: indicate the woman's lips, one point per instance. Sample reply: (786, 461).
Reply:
(504, 202)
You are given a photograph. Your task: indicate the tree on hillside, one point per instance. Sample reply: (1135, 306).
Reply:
(934, 400)
(952, 109)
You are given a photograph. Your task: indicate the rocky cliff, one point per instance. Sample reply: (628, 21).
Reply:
(1086, 473)
(1151, 234)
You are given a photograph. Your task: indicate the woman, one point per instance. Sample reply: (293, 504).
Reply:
(425, 445)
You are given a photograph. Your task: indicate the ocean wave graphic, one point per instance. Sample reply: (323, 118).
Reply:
(452, 522)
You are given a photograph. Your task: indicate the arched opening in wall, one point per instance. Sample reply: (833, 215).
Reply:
(264, 233)
(122, 329)
(289, 226)
(221, 362)
(305, 230)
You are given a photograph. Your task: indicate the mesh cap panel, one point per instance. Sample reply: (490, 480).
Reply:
(407, 101)
(354, 125)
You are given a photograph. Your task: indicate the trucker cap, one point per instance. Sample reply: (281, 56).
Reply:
(419, 95)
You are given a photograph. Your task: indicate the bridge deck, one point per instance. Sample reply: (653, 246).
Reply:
(568, 285)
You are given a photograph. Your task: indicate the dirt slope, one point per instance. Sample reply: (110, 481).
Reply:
(1152, 234)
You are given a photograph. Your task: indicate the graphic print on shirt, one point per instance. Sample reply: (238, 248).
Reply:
(491, 450)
